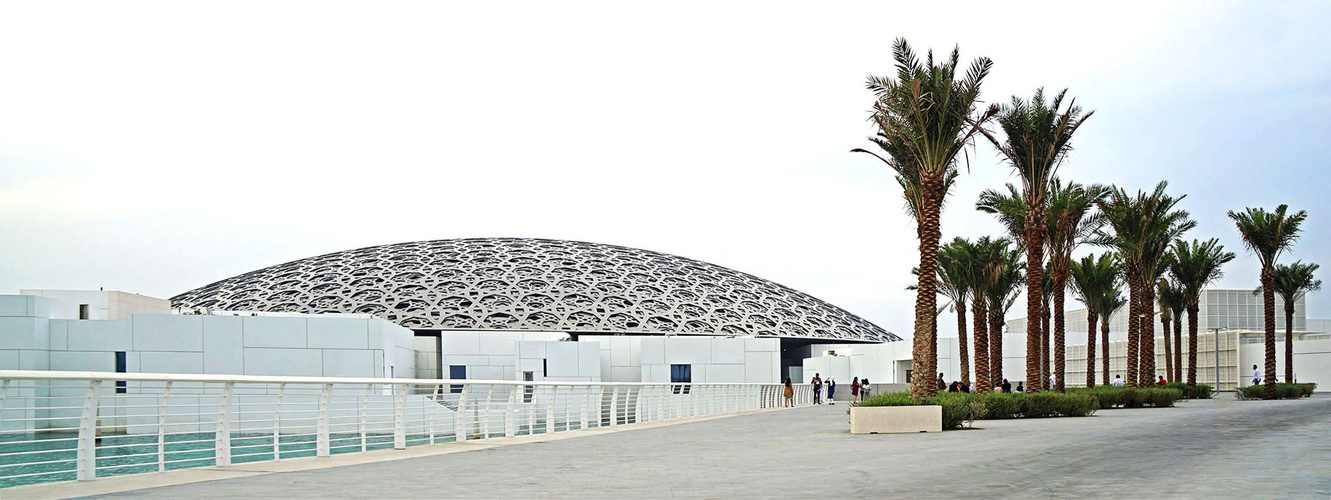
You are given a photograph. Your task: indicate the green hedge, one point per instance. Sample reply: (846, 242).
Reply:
(1130, 397)
(959, 408)
(1199, 391)
(1283, 391)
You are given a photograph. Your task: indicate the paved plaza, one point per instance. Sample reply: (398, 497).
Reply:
(1219, 448)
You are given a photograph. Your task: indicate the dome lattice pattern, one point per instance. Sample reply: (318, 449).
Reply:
(531, 284)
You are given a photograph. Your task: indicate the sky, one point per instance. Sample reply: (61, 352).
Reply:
(155, 147)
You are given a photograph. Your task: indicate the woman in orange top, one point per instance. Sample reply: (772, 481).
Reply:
(790, 393)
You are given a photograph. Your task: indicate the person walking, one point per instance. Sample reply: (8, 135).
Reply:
(790, 394)
(855, 391)
(817, 388)
(831, 390)
(1256, 376)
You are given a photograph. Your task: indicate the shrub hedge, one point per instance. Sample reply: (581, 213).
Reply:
(1199, 391)
(959, 408)
(1283, 391)
(1130, 397)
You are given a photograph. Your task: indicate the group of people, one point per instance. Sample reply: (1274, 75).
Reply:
(858, 389)
(959, 386)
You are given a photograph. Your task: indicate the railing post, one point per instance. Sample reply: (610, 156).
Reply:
(460, 422)
(321, 430)
(614, 406)
(586, 400)
(510, 411)
(87, 453)
(430, 408)
(363, 418)
(550, 410)
(277, 422)
(223, 452)
(400, 418)
(161, 428)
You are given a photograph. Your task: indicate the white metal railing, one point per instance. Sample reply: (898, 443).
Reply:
(58, 426)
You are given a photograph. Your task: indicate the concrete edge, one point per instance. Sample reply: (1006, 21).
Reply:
(119, 484)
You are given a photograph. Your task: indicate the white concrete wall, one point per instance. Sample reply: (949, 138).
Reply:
(1312, 361)
(884, 363)
(504, 355)
(712, 359)
(104, 304)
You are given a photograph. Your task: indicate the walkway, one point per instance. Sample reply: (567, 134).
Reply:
(1220, 448)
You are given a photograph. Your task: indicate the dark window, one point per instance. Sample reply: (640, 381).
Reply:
(545, 367)
(83, 311)
(121, 385)
(527, 390)
(681, 374)
(457, 372)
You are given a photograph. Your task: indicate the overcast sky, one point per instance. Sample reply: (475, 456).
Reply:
(158, 147)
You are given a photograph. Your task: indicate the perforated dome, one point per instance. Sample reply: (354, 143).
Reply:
(534, 284)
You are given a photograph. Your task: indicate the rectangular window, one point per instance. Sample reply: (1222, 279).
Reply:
(681, 374)
(83, 311)
(527, 390)
(121, 385)
(457, 372)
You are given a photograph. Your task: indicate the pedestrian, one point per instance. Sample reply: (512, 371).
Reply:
(942, 384)
(955, 387)
(855, 391)
(1053, 381)
(1021, 386)
(1161, 381)
(790, 394)
(1007, 386)
(831, 390)
(1256, 376)
(1118, 381)
(817, 388)
(864, 388)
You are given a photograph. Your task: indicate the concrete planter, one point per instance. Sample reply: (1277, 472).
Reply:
(895, 419)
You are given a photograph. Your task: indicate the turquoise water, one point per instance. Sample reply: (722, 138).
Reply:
(185, 450)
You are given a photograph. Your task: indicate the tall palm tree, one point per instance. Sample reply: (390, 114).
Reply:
(984, 270)
(1194, 266)
(1093, 278)
(1071, 220)
(954, 276)
(1293, 281)
(1038, 138)
(1167, 294)
(926, 116)
(1140, 227)
(1007, 277)
(1268, 234)
(1109, 304)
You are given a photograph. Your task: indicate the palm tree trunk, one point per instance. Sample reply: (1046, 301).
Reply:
(923, 383)
(996, 345)
(1169, 353)
(1134, 324)
(1147, 373)
(1035, 229)
(1044, 348)
(1269, 315)
(981, 331)
(1192, 345)
(1090, 347)
(1060, 344)
(961, 344)
(1178, 348)
(1104, 348)
(1289, 342)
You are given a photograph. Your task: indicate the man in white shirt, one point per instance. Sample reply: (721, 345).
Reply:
(1118, 381)
(1053, 382)
(1256, 376)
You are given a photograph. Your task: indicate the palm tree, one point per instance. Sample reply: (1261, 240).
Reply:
(1167, 294)
(1039, 137)
(1194, 266)
(1093, 278)
(1142, 226)
(925, 117)
(985, 256)
(1046, 292)
(1109, 304)
(1007, 277)
(1293, 281)
(1268, 234)
(1071, 220)
(954, 261)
